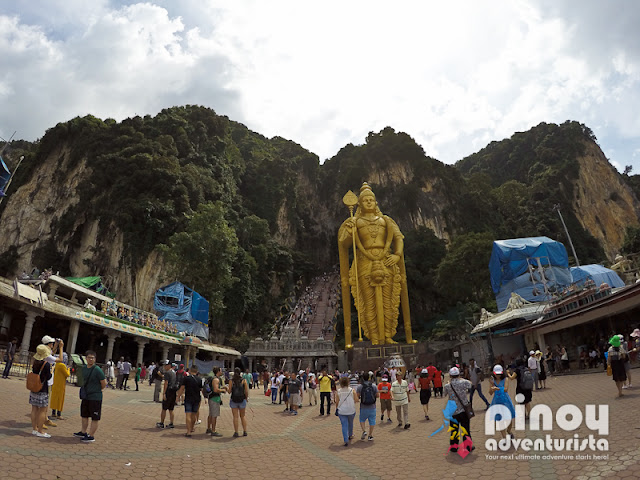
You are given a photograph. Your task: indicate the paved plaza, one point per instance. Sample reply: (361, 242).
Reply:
(307, 446)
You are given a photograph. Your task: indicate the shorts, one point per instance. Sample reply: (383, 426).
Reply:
(39, 399)
(368, 413)
(91, 409)
(170, 402)
(425, 395)
(385, 404)
(241, 405)
(214, 409)
(294, 399)
(627, 366)
(191, 407)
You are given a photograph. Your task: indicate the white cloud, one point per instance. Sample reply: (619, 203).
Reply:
(453, 75)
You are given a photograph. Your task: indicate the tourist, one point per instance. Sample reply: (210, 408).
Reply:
(281, 377)
(110, 372)
(294, 394)
(456, 390)
(425, 391)
(58, 390)
(150, 371)
(313, 387)
(266, 383)
(239, 391)
(56, 355)
(325, 382)
(143, 372)
(126, 370)
(532, 363)
(215, 402)
(39, 401)
(120, 374)
(564, 357)
(401, 400)
(180, 374)
(542, 371)
(157, 377)
(627, 363)
(191, 387)
(346, 408)
(616, 358)
(384, 387)
(367, 393)
(275, 386)
(138, 375)
(170, 387)
(476, 377)
(524, 384)
(94, 382)
(9, 357)
(437, 382)
(550, 360)
(499, 388)
(284, 390)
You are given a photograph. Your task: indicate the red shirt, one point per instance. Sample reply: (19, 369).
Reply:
(385, 386)
(437, 380)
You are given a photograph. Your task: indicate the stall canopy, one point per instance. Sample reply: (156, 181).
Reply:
(597, 273)
(531, 267)
(91, 283)
(183, 307)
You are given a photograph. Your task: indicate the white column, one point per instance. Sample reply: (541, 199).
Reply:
(141, 343)
(165, 351)
(28, 328)
(73, 336)
(329, 364)
(111, 340)
(251, 364)
(288, 366)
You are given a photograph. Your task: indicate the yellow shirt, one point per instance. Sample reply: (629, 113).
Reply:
(325, 384)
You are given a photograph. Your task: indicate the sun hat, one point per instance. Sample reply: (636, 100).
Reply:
(615, 341)
(498, 370)
(454, 372)
(538, 352)
(424, 370)
(42, 352)
(47, 339)
(636, 333)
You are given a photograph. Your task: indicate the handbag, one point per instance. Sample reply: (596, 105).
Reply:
(609, 371)
(83, 391)
(34, 383)
(467, 407)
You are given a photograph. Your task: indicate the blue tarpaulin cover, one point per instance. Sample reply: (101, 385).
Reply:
(509, 268)
(598, 274)
(5, 175)
(184, 307)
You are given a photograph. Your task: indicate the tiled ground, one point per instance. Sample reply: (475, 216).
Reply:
(305, 447)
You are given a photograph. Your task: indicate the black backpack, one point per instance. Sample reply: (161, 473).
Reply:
(237, 391)
(368, 396)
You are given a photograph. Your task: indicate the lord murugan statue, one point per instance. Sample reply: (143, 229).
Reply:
(377, 277)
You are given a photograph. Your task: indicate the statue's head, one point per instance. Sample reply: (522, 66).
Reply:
(367, 200)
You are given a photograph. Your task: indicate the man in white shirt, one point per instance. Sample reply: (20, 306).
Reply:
(401, 400)
(532, 363)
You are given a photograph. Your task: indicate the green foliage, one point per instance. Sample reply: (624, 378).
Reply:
(631, 243)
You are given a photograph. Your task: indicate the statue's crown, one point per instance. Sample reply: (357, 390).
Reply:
(365, 189)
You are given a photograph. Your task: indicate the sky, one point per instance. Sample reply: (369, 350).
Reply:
(453, 75)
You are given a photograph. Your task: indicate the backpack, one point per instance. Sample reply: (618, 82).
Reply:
(207, 388)
(333, 384)
(237, 392)
(34, 382)
(368, 396)
(527, 380)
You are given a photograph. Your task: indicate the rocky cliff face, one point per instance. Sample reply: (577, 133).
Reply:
(602, 202)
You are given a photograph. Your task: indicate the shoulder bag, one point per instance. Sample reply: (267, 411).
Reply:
(341, 401)
(83, 390)
(467, 407)
(34, 382)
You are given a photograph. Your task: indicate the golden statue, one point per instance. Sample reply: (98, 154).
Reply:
(377, 277)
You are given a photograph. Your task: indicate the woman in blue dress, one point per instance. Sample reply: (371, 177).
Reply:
(499, 388)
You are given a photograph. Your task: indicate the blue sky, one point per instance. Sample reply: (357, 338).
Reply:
(453, 75)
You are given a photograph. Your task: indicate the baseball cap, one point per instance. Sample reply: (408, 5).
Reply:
(164, 362)
(636, 333)
(424, 370)
(47, 339)
(532, 352)
(454, 372)
(300, 372)
(498, 370)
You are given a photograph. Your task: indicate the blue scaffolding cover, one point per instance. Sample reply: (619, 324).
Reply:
(514, 267)
(597, 273)
(183, 307)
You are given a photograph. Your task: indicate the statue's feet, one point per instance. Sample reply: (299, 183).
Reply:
(390, 341)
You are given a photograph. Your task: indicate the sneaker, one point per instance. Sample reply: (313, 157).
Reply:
(235, 435)
(208, 431)
(216, 434)
(43, 435)
(363, 436)
(427, 417)
(49, 423)
(346, 444)
(624, 387)
(88, 439)
(244, 434)
(389, 420)
(170, 425)
(399, 425)
(159, 425)
(79, 434)
(198, 422)
(294, 413)
(34, 432)
(406, 427)
(370, 438)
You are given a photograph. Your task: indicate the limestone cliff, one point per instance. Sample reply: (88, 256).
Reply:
(603, 203)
